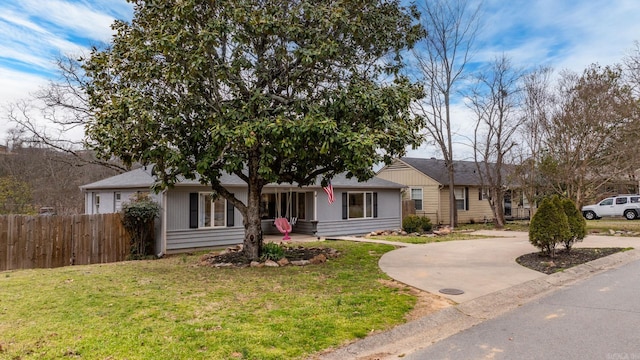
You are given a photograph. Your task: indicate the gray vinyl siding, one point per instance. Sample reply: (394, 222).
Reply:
(180, 237)
(178, 211)
(330, 222)
(180, 240)
(356, 226)
(107, 199)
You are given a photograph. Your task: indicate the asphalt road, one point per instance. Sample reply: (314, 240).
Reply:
(597, 318)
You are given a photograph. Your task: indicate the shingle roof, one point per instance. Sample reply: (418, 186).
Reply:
(138, 178)
(465, 172)
(142, 178)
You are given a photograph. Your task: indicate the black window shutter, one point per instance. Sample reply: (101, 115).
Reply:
(466, 198)
(344, 205)
(230, 214)
(193, 210)
(480, 194)
(375, 204)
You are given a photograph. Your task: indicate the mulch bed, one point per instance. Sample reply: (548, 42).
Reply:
(236, 257)
(563, 259)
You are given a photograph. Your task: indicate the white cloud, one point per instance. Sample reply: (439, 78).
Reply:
(561, 34)
(36, 32)
(72, 17)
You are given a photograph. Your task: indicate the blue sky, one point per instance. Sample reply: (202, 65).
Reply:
(563, 34)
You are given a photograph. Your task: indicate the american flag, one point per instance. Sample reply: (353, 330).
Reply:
(329, 190)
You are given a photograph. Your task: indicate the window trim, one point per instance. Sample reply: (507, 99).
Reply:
(96, 203)
(415, 201)
(465, 198)
(366, 212)
(483, 193)
(117, 201)
(201, 202)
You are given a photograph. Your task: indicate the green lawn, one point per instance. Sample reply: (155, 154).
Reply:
(601, 226)
(430, 239)
(175, 309)
(604, 225)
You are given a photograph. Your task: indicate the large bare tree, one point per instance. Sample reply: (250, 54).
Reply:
(495, 100)
(536, 108)
(590, 138)
(441, 62)
(54, 116)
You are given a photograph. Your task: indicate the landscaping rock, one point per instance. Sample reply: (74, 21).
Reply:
(271, 263)
(319, 259)
(222, 265)
(444, 231)
(298, 255)
(300, 262)
(283, 262)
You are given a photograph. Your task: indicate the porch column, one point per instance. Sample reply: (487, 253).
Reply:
(315, 206)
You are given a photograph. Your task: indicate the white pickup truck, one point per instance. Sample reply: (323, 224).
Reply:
(621, 205)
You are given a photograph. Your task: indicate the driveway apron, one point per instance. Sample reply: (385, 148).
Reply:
(476, 267)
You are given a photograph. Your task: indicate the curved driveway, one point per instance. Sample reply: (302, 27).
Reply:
(477, 267)
(485, 269)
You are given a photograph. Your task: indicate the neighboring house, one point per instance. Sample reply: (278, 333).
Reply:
(427, 184)
(190, 219)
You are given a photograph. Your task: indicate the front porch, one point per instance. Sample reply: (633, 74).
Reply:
(295, 238)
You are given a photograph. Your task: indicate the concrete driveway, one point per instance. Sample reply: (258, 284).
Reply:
(485, 269)
(477, 267)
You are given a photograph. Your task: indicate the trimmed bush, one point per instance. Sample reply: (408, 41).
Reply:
(415, 223)
(577, 223)
(549, 226)
(138, 217)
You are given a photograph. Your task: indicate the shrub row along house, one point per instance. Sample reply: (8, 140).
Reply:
(191, 218)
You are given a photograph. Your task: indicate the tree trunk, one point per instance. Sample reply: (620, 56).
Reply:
(499, 209)
(252, 245)
(453, 211)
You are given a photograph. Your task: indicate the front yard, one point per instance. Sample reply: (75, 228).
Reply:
(175, 309)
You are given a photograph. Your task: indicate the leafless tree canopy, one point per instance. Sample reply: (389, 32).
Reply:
(55, 116)
(496, 100)
(441, 63)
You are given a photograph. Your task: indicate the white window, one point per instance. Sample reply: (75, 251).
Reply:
(461, 199)
(416, 196)
(483, 193)
(117, 201)
(96, 203)
(211, 213)
(360, 205)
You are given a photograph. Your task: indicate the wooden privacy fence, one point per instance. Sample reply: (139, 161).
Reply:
(29, 242)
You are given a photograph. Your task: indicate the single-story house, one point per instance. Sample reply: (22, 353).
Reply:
(427, 184)
(190, 219)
